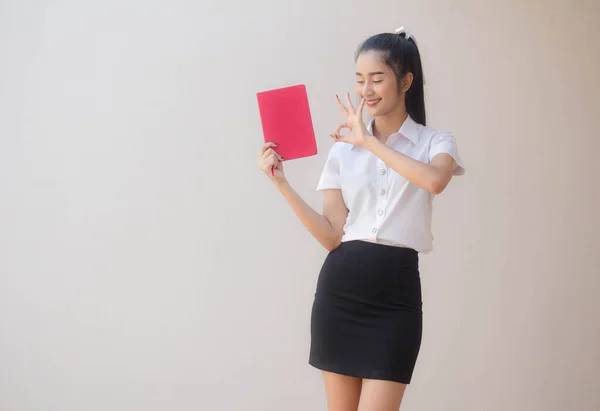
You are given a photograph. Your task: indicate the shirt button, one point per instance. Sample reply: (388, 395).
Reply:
(382, 171)
(374, 231)
(380, 212)
(382, 191)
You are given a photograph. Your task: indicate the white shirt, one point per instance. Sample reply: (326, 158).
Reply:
(383, 206)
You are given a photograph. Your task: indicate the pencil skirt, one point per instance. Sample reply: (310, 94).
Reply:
(367, 316)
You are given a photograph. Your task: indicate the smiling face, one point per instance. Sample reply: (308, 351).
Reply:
(378, 84)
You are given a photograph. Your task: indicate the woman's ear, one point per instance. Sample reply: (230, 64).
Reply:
(406, 82)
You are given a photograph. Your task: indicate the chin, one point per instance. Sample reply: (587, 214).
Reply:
(373, 112)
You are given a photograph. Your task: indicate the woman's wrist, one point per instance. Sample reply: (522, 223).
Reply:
(371, 143)
(281, 184)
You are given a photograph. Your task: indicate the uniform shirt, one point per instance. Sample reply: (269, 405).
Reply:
(384, 207)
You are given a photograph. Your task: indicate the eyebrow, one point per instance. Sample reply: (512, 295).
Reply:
(371, 74)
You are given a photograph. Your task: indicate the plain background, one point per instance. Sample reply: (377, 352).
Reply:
(146, 263)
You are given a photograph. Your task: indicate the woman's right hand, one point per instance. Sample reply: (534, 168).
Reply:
(268, 160)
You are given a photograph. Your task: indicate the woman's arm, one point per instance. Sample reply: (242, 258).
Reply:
(433, 177)
(327, 228)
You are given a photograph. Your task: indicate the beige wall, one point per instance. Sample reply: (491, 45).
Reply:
(146, 264)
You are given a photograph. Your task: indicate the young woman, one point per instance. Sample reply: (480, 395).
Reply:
(379, 182)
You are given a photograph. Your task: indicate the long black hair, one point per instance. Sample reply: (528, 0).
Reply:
(402, 56)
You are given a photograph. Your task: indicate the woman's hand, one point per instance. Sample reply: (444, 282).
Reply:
(271, 163)
(358, 134)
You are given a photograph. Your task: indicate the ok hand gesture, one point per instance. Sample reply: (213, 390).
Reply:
(358, 134)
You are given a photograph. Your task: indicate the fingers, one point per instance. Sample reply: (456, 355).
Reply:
(339, 128)
(266, 146)
(267, 162)
(270, 160)
(273, 163)
(360, 107)
(343, 108)
(270, 152)
(348, 109)
(349, 103)
(336, 135)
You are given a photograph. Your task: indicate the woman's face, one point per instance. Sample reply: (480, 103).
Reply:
(377, 83)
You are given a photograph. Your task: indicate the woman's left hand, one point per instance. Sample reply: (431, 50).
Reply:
(358, 134)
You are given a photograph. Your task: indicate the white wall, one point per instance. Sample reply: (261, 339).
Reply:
(146, 264)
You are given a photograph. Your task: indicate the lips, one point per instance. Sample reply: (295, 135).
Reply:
(372, 102)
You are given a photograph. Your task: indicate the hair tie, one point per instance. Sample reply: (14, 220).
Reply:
(407, 35)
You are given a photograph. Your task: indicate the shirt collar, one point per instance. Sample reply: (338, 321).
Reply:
(409, 129)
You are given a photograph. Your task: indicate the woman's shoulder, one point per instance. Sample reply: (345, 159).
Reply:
(428, 133)
(340, 148)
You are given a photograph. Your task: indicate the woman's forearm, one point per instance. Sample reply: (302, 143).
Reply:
(426, 176)
(315, 223)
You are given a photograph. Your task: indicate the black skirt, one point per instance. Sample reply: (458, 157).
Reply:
(367, 314)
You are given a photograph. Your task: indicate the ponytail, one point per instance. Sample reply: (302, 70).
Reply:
(415, 96)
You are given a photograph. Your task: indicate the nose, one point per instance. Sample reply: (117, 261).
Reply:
(366, 89)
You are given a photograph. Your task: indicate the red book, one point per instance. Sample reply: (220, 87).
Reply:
(286, 121)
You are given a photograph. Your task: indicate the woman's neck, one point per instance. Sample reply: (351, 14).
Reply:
(386, 125)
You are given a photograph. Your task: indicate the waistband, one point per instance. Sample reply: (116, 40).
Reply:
(383, 242)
